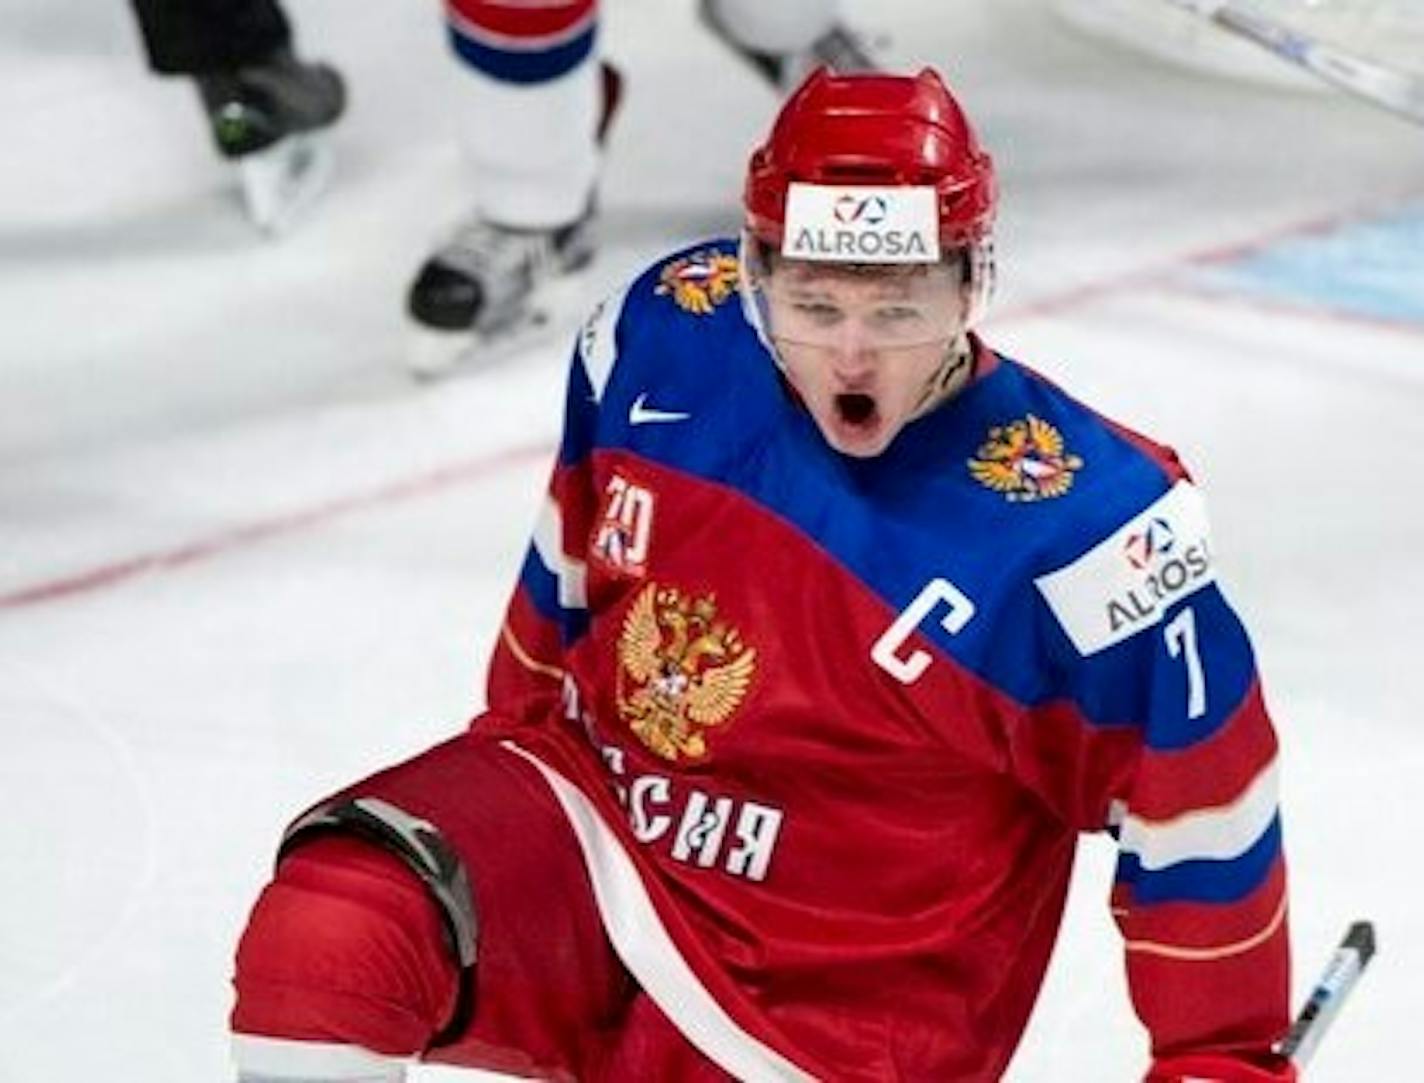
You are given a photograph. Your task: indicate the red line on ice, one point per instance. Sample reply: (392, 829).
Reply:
(398, 492)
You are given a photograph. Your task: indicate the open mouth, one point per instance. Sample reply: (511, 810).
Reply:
(854, 408)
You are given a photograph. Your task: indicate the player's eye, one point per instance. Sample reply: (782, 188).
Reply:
(817, 312)
(897, 314)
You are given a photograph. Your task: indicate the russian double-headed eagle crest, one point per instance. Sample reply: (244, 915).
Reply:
(680, 670)
(1025, 460)
(699, 282)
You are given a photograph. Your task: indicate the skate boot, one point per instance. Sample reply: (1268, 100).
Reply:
(839, 48)
(477, 296)
(270, 119)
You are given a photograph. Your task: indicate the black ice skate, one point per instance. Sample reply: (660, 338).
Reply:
(477, 296)
(839, 48)
(270, 118)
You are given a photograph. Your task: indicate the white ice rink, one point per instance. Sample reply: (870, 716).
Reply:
(243, 559)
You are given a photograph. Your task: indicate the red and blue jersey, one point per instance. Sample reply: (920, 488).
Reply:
(828, 728)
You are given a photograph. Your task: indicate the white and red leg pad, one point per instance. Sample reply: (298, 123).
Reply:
(529, 107)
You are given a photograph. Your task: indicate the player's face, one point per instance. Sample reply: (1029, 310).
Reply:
(861, 346)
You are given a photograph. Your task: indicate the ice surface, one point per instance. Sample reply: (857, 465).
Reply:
(242, 559)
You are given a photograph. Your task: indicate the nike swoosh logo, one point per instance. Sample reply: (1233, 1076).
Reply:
(643, 414)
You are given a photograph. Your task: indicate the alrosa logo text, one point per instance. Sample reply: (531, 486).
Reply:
(1171, 575)
(851, 244)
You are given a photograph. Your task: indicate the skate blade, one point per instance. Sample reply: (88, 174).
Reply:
(280, 182)
(436, 355)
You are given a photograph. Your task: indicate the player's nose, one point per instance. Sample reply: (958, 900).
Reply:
(852, 352)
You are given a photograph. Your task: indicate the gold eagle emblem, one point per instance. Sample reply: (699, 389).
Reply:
(680, 670)
(700, 282)
(1025, 460)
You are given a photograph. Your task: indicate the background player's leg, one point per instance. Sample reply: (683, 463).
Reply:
(533, 104)
(530, 106)
(788, 26)
(191, 37)
(263, 103)
(783, 41)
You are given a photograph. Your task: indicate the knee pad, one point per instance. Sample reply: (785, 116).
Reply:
(366, 935)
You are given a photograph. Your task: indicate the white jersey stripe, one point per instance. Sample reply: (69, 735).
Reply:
(648, 951)
(1216, 834)
(260, 1058)
(549, 543)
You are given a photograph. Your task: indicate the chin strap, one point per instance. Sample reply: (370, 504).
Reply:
(954, 372)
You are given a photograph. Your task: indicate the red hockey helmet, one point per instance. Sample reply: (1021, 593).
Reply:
(874, 130)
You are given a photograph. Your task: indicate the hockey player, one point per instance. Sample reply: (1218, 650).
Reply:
(264, 104)
(538, 106)
(836, 630)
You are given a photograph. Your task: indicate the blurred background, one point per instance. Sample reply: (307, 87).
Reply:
(244, 557)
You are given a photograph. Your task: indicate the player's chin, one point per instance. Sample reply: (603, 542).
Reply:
(856, 424)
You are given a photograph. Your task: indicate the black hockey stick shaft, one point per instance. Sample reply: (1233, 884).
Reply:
(1344, 970)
